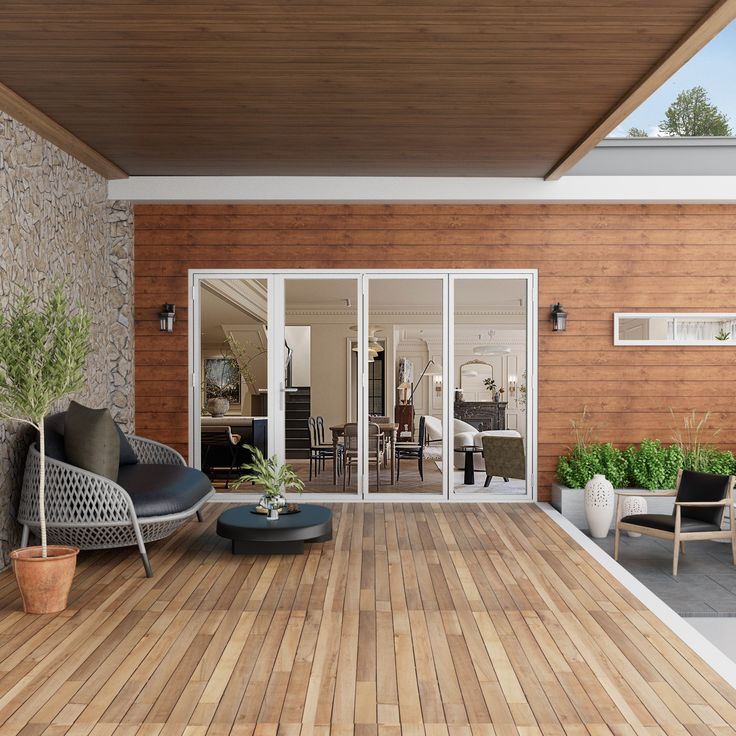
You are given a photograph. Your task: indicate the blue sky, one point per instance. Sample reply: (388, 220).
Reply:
(714, 68)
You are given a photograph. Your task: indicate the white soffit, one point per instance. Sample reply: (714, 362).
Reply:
(680, 189)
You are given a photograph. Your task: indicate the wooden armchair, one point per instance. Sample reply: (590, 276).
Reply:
(701, 500)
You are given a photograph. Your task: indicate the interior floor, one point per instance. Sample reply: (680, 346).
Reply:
(415, 618)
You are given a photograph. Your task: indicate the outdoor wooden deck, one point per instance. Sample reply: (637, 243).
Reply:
(415, 619)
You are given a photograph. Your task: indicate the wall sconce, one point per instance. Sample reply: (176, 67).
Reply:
(558, 316)
(437, 384)
(512, 385)
(167, 317)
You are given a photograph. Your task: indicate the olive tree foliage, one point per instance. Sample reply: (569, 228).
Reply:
(44, 347)
(693, 114)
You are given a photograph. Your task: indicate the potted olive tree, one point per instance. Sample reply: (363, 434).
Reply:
(43, 350)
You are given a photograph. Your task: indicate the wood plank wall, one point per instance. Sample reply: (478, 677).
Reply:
(595, 259)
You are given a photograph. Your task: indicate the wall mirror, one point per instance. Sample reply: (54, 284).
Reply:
(472, 376)
(674, 328)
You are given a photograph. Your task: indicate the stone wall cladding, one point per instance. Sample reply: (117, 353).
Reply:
(56, 225)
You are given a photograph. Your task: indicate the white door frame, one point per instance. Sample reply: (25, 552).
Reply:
(275, 279)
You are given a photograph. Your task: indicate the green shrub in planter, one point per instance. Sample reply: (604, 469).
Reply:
(710, 460)
(653, 466)
(584, 461)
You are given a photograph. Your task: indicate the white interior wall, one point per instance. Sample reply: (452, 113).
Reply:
(299, 340)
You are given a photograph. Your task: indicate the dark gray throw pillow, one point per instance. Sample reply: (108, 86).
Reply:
(127, 453)
(91, 440)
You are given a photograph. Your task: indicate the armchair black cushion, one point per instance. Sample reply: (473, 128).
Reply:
(91, 440)
(159, 490)
(54, 426)
(702, 487)
(666, 522)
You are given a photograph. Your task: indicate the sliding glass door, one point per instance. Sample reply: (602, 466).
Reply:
(404, 344)
(371, 384)
(491, 422)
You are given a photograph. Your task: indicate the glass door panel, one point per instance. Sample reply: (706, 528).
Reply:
(490, 427)
(233, 390)
(404, 346)
(321, 382)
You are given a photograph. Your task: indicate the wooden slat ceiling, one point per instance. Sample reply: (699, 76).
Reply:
(335, 87)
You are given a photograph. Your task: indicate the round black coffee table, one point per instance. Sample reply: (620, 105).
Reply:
(253, 534)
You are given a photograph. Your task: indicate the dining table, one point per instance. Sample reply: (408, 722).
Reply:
(389, 430)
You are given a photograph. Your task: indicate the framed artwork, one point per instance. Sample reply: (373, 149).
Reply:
(222, 378)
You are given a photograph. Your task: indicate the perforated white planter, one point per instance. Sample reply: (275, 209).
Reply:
(599, 503)
(633, 505)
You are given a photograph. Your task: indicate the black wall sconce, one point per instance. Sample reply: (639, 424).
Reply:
(167, 317)
(558, 316)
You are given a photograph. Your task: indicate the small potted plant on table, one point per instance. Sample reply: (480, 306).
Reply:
(43, 350)
(274, 477)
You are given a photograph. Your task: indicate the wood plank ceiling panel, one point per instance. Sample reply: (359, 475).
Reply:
(451, 87)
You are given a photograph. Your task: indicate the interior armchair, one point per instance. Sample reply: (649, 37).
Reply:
(503, 457)
(701, 500)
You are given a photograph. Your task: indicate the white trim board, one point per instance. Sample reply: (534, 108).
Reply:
(681, 189)
(712, 656)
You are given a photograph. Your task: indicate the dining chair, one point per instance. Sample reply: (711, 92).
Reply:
(701, 500)
(375, 450)
(215, 437)
(412, 450)
(319, 450)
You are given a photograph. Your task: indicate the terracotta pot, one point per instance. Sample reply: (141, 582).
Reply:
(44, 582)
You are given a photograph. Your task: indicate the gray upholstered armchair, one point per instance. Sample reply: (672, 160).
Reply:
(150, 500)
(503, 457)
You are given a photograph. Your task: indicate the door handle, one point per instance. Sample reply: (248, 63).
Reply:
(283, 390)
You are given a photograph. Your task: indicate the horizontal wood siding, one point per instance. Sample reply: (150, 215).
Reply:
(595, 259)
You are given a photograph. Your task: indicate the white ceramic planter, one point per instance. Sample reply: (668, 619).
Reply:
(631, 505)
(599, 501)
(218, 406)
(570, 503)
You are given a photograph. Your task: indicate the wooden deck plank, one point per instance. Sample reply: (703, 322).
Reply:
(423, 619)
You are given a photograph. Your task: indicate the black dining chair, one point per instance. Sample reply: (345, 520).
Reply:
(218, 437)
(319, 450)
(412, 451)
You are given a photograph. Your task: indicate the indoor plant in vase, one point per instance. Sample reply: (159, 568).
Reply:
(274, 477)
(43, 350)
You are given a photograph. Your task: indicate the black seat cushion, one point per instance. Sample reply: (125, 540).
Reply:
(159, 490)
(666, 523)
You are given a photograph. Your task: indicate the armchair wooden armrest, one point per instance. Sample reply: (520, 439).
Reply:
(722, 502)
(642, 492)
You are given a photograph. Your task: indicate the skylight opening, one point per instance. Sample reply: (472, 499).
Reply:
(699, 100)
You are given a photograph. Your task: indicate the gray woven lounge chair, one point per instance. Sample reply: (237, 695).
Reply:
(150, 500)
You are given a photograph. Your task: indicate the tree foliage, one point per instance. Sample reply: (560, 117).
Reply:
(637, 133)
(693, 114)
(43, 351)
